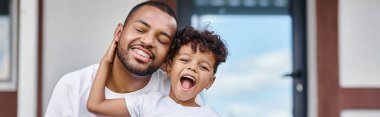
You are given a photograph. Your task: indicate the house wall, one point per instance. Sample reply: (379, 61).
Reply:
(359, 56)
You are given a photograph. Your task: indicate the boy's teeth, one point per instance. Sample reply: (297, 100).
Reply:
(141, 53)
(189, 77)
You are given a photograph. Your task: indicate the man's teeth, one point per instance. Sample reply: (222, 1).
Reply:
(141, 53)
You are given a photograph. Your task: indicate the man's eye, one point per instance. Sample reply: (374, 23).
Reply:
(139, 30)
(163, 41)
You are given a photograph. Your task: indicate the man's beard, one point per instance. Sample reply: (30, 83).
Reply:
(123, 57)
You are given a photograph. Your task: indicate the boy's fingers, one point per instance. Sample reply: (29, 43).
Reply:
(112, 48)
(108, 57)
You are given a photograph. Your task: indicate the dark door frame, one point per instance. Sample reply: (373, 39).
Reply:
(299, 75)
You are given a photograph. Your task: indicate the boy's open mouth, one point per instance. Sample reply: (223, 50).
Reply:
(187, 82)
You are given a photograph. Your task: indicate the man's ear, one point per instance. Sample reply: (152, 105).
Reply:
(211, 82)
(117, 32)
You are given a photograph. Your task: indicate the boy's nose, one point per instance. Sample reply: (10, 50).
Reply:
(192, 68)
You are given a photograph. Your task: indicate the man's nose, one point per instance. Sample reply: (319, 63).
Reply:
(148, 39)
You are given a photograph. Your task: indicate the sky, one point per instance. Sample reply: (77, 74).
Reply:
(250, 83)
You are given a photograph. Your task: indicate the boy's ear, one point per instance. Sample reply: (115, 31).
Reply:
(117, 32)
(211, 82)
(168, 66)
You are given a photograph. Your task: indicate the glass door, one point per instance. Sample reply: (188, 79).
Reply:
(250, 83)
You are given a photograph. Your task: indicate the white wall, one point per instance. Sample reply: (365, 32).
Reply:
(27, 82)
(359, 56)
(312, 59)
(359, 39)
(360, 113)
(76, 34)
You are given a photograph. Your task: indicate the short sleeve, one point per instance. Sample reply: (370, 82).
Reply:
(60, 101)
(140, 105)
(134, 105)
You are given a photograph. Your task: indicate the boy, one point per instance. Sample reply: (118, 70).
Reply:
(191, 67)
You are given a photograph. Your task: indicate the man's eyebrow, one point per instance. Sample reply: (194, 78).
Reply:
(143, 22)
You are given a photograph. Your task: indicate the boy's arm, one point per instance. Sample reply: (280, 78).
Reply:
(96, 102)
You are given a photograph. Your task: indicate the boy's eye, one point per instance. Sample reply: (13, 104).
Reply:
(204, 68)
(184, 60)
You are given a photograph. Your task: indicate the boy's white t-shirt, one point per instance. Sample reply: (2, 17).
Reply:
(156, 104)
(70, 95)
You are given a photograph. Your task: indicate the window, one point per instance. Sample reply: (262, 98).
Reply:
(8, 45)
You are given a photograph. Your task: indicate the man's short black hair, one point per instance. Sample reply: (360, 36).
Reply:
(162, 6)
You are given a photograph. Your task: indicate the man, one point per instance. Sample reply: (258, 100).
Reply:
(143, 44)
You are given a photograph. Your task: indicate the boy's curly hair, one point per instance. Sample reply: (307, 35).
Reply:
(206, 40)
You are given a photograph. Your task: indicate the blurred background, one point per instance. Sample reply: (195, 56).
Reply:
(288, 58)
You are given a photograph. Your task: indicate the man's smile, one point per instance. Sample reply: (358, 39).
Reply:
(142, 54)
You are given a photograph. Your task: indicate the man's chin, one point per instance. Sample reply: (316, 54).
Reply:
(136, 67)
(141, 71)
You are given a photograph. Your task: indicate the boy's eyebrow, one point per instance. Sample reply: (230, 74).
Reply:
(183, 53)
(207, 62)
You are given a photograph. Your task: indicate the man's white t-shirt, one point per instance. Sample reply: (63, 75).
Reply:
(69, 98)
(156, 104)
